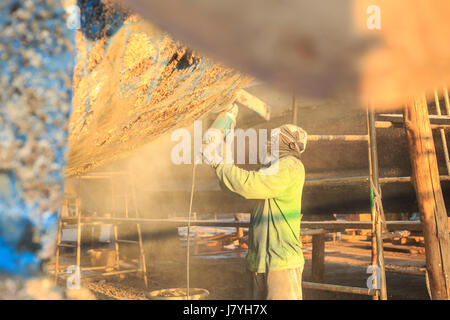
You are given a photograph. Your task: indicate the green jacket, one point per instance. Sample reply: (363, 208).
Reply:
(274, 234)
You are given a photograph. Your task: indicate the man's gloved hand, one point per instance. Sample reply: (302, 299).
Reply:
(213, 148)
(226, 120)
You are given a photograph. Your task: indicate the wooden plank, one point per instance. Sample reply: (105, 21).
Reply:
(433, 213)
(342, 225)
(318, 258)
(399, 248)
(338, 288)
(418, 271)
(396, 234)
(254, 103)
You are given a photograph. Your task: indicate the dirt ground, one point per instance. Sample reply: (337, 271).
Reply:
(223, 275)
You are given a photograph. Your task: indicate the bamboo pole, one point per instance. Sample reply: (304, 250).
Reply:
(389, 124)
(143, 260)
(396, 118)
(447, 100)
(339, 137)
(58, 247)
(377, 241)
(79, 241)
(328, 226)
(442, 131)
(431, 204)
(294, 110)
(372, 207)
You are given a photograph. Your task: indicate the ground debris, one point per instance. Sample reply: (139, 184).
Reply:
(115, 290)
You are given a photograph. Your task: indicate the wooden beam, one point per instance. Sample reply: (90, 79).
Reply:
(407, 179)
(362, 179)
(389, 124)
(429, 196)
(398, 118)
(329, 226)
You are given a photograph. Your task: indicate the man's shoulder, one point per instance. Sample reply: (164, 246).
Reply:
(292, 162)
(286, 165)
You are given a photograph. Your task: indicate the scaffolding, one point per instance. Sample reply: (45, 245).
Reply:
(124, 206)
(380, 228)
(377, 225)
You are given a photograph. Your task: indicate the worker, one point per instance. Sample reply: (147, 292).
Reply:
(275, 259)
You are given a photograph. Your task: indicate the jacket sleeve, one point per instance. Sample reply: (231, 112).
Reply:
(262, 184)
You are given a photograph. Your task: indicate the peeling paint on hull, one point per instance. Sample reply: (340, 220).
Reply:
(133, 83)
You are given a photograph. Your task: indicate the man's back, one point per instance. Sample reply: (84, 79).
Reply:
(274, 235)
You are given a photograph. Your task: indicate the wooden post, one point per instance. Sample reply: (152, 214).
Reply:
(442, 131)
(194, 216)
(433, 215)
(318, 258)
(376, 210)
(239, 231)
(58, 246)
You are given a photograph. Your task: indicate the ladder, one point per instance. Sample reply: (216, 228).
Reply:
(440, 122)
(123, 205)
(378, 223)
(379, 231)
(377, 215)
